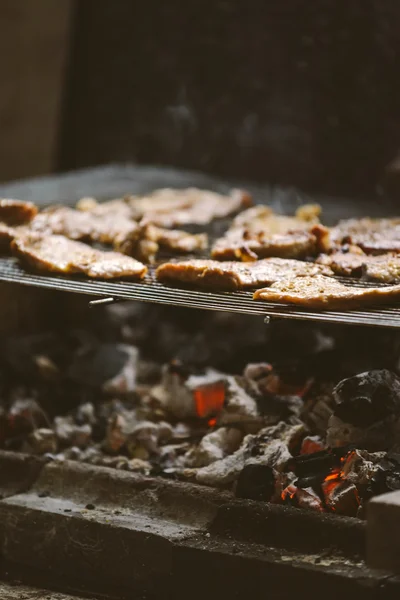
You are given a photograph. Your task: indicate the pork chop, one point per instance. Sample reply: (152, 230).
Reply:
(173, 207)
(325, 293)
(57, 254)
(374, 236)
(259, 232)
(147, 239)
(16, 212)
(384, 268)
(215, 275)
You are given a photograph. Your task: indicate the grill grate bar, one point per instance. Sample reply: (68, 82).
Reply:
(239, 302)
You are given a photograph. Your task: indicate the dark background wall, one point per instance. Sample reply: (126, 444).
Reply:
(34, 45)
(304, 92)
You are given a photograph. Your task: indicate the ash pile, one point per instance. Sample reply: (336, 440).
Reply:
(287, 414)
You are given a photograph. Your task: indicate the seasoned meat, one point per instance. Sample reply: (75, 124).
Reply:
(120, 206)
(81, 225)
(57, 254)
(374, 236)
(325, 293)
(384, 268)
(258, 232)
(212, 274)
(16, 212)
(145, 241)
(344, 263)
(172, 207)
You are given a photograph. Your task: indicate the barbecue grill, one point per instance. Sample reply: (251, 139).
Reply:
(284, 93)
(100, 518)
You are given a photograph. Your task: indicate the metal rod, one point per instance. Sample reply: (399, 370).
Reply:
(101, 301)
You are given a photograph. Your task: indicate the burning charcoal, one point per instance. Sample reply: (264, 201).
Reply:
(341, 497)
(256, 482)
(361, 467)
(187, 396)
(111, 367)
(306, 498)
(367, 411)
(70, 434)
(42, 441)
(214, 446)
(311, 444)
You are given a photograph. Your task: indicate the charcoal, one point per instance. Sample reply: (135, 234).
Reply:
(256, 482)
(269, 447)
(42, 441)
(214, 446)
(111, 367)
(343, 499)
(366, 398)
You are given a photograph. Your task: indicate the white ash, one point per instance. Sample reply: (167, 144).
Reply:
(86, 413)
(239, 406)
(214, 446)
(69, 433)
(146, 437)
(361, 466)
(269, 447)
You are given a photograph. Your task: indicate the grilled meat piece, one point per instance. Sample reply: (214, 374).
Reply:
(147, 239)
(171, 207)
(57, 254)
(374, 236)
(258, 232)
(384, 268)
(16, 212)
(325, 293)
(212, 274)
(83, 226)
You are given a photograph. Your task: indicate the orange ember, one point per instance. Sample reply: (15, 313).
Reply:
(209, 399)
(212, 422)
(289, 491)
(311, 445)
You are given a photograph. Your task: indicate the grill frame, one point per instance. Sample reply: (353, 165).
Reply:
(241, 302)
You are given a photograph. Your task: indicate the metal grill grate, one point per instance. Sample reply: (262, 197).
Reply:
(238, 302)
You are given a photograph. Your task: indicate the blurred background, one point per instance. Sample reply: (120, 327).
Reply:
(295, 93)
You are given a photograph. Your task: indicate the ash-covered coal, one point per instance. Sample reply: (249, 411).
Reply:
(367, 411)
(289, 414)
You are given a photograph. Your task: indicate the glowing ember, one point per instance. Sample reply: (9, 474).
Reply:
(209, 399)
(289, 492)
(311, 444)
(212, 422)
